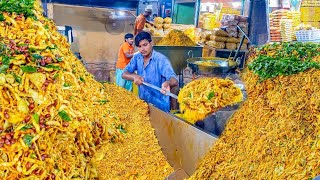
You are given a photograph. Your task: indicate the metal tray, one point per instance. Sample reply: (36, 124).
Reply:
(182, 153)
(222, 66)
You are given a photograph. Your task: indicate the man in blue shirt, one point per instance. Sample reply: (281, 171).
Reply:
(154, 68)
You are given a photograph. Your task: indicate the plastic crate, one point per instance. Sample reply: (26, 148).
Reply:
(308, 35)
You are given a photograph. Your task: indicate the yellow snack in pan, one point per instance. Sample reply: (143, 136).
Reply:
(203, 96)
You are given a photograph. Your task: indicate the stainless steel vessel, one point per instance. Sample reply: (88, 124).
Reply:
(178, 55)
(184, 145)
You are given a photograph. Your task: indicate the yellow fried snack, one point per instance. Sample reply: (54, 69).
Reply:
(275, 133)
(207, 63)
(167, 20)
(190, 32)
(53, 115)
(140, 156)
(176, 38)
(158, 20)
(207, 95)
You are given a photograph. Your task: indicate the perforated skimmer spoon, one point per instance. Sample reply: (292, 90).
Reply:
(159, 89)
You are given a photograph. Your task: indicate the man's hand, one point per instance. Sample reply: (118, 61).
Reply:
(138, 80)
(150, 23)
(165, 87)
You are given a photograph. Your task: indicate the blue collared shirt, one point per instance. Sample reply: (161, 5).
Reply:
(157, 71)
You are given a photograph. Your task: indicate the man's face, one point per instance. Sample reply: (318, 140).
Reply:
(145, 47)
(130, 41)
(147, 14)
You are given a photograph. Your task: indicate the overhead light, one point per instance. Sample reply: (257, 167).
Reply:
(236, 4)
(121, 13)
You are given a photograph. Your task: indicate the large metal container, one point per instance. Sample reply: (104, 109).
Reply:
(221, 65)
(184, 145)
(179, 54)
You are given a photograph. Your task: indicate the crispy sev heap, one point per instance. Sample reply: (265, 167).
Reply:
(176, 38)
(274, 135)
(206, 95)
(140, 156)
(53, 114)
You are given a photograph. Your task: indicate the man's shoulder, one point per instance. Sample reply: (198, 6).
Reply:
(137, 55)
(141, 17)
(159, 55)
(123, 45)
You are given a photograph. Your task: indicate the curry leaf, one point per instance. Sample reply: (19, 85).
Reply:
(81, 79)
(32, 50)
(28, 126)
(210, 95)
(4, 68)
(56, 76)
(5, 60)
(2, 17)
(36, 117)
(27, 139)
(268, 67)
(60, 59)
(121, 129)
(103, 101)
(21, 45)
(64, 115)
(53, 67)
(36, 56)
(28, 69)
(33, 156)
(51, 47)
(17, 78)
(20, 7)
(66, 85)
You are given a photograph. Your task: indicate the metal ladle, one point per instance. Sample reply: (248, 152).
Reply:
(159, 89)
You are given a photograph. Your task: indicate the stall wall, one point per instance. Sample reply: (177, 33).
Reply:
(96, 46)
(184, 13)
(124, 4)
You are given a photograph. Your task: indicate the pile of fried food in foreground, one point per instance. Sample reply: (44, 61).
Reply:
(275, 134)
(53, 114)
(203, 96)
(140, 156)
(176, 38)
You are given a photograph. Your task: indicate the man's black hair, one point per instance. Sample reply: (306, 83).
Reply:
(127, 36)
(142, 36)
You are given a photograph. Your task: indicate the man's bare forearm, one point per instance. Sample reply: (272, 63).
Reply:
(149, 23)
(138, 80)
(128, 55)
(173, 82)
(128, 76)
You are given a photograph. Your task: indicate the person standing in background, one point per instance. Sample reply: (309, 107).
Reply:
(154, 68)
(124, 56)
(141, 20)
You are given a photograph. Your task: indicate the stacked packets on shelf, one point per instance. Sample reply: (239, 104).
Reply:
(275, 29)
(286, 30)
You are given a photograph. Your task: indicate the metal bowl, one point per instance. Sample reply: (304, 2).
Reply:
(211, 65)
